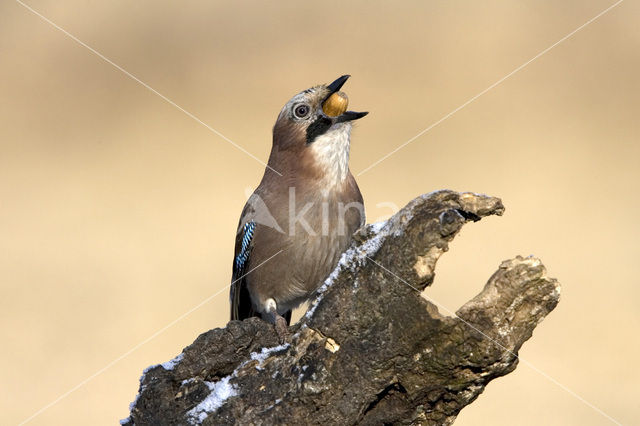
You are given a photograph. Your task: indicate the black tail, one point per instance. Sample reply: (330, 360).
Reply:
(287, 316)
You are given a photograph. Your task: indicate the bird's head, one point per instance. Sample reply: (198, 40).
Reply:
(316, 125)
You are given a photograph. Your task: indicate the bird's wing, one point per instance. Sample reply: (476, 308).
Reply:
(241, 306)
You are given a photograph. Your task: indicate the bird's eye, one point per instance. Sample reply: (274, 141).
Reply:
(301, 111)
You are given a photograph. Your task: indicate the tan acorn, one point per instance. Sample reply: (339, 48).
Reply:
(336, 104)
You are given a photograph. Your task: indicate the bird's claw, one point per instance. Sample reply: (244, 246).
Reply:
(282, 329)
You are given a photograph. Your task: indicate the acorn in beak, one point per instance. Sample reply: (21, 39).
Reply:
(336, 102)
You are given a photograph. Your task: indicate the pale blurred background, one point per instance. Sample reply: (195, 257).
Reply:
(118, 212)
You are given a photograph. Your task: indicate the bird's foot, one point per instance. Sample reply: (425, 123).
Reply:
(279, 322)
(282, 329)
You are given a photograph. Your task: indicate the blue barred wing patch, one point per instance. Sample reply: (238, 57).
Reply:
(245, 248)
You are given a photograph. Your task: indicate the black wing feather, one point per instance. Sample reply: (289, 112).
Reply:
(241, 306)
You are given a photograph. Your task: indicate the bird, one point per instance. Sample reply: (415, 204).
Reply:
(301, 217)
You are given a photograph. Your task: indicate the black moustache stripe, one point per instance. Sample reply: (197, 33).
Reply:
(317, 128)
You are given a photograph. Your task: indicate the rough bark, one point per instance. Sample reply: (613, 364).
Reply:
(370, 350)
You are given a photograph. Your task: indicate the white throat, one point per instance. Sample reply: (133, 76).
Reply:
(331, 152)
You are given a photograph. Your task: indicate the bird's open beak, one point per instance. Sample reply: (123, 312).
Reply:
(336, 103)
(337, 84)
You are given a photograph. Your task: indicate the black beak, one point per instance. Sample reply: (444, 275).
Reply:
(347, 115)
(337, 84)
(350, 115)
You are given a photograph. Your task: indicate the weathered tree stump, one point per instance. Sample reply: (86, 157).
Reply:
(370, 350)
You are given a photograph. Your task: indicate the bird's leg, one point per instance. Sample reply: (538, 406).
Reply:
(278, 321)
(282, 330)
